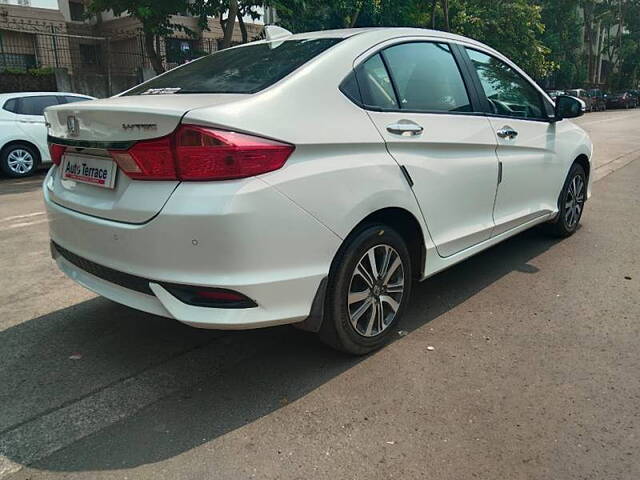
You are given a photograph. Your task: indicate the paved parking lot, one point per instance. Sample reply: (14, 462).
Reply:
(534, 374)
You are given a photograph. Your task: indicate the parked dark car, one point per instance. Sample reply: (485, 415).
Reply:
(636, 94)
(621, 100)
(598, 99)
(583, 95)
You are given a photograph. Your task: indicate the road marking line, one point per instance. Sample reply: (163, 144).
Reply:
(18, 217)
(617, 163)
(41, 436)
(26, 224)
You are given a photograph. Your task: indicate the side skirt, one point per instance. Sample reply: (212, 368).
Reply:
(436, 263)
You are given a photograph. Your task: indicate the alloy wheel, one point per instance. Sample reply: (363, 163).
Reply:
(574, 201)
(376, 290)
(20, 161)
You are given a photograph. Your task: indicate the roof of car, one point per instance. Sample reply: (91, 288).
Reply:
(390, 31)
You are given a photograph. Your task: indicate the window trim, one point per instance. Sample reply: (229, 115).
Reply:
(467, 80)
(483, 96)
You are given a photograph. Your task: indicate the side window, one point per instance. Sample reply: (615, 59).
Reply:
(349, 87)
(36, 105)
(427, 77)
(11, 105)
(375, 85)
(508, 92)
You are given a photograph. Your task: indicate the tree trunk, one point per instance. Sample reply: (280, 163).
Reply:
(434, 5)
(355, 16)
(445, 11)
(243, 27)
(152, 53)
(619, 39)
(230, 23)
(588, 8)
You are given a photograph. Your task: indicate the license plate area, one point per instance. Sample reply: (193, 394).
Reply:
(93, 170)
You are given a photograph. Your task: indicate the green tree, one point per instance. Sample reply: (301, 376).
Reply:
(563, 36)
(155, 17)
(517, 34)
(309, 15)
(513, 27)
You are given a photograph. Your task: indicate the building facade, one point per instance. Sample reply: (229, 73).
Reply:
(97, 55)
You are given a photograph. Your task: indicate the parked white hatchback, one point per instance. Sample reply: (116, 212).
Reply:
(309, 179)
(23, 133)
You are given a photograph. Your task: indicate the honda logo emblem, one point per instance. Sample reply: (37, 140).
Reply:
(72, 126)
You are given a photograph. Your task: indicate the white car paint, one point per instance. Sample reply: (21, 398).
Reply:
(273, 237)
(31, 129)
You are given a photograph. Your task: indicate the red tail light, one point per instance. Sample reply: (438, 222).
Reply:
(199, 153)
(56, 152)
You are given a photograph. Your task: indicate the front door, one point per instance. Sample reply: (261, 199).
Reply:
(526, 143)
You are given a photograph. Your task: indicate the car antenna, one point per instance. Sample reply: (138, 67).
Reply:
(273, 32)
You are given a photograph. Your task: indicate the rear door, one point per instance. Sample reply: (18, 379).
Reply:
(417, 98)
(526, 142)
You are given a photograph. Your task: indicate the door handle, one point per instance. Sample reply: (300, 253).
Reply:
(405, 128)
(507, 132)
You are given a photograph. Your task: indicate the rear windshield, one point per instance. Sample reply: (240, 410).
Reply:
(246, 69)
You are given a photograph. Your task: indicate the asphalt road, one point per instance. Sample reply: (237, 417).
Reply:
(534, 374)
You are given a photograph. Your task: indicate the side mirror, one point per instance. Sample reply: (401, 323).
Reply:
(569, 107)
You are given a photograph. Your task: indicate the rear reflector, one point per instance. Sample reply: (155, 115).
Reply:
(209, 297)
(56, 152)
(199, 153)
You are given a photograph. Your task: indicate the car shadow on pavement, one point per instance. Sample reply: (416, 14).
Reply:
(16, 186)
(218, 381)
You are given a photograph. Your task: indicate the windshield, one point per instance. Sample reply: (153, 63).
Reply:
(246, 69)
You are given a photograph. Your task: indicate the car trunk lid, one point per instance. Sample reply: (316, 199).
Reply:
(89, 129)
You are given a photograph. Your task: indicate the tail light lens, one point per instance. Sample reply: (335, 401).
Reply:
(56, 152)
(148, 160)
(199, 153)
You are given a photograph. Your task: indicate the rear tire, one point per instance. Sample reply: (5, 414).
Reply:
(570, 203)
(19, 160)
(368, 290)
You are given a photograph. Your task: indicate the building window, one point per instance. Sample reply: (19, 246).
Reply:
(77, 11)
(16, 60)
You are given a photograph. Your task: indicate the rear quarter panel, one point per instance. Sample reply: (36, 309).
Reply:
(340, 171)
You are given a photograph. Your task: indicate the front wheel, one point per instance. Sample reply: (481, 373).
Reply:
(571, 202)
(368, 290)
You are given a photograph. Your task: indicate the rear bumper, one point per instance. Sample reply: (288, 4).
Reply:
(256, 242)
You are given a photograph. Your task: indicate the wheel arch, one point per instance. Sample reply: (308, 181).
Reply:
(583, 161)
(409, 228)
(23, 142)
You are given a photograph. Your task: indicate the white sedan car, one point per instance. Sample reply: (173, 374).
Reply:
(309, 179)
(23, 133)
